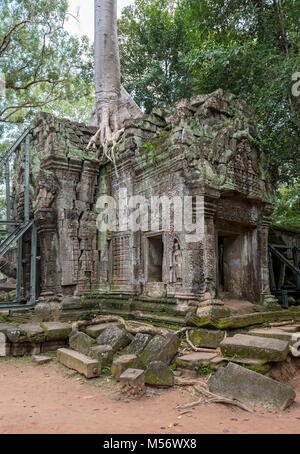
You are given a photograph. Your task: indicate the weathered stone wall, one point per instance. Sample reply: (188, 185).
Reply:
(204, 147)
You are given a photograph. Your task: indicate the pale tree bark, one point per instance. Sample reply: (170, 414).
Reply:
(113, 105)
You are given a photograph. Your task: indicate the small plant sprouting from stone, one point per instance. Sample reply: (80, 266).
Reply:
(105, 370)
(151, 151)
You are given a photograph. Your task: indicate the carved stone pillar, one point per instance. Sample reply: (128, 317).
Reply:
(210, 254)
(263, 240)
(50, 265)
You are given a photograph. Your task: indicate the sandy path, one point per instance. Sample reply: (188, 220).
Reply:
(50, 399)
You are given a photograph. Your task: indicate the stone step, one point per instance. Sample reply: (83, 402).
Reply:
(242, 346)
(272, 333)
(257, 365)
(195, 360)
(291, 328)
(81, 363)
(40, 360)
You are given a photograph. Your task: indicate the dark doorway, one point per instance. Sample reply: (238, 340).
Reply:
(229, 264)
(155, 258)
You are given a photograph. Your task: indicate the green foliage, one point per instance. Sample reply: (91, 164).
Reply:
(170, 50)
(45, 68)
(251, 48)
(151, 152)
(287, 211)
(153, 44)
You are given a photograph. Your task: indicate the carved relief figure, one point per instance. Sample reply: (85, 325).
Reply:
(177, 263)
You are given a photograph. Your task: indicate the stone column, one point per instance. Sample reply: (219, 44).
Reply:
(263, 241)
(50, 266)
(210, 255)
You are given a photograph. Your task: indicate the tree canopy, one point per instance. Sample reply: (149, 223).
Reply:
(42, 65)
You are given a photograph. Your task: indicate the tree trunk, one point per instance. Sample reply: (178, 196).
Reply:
(113, 104)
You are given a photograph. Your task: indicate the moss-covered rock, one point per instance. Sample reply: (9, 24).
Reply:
(206, 338)
(80, 342)
(139, 343)
(159, 374)
(115, 337)
(103, 354)
(123, 363)
(160, 348)
(56, 330)
(244, 346)
(236, 382)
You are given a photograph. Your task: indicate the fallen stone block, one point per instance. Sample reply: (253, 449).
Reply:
(95, 330)
(258, 365)
(115, 337)
(41, 359)
(160, 348)
(195, 360)
(56, 330)
(81, 363)
(274, 333)
(16, 334)
(159, 374)
(24, 348)
(206, 337)
(52, 346)
(290, 328)
(4, 327)
(103, 354)
(80, 342)
(132, 383)
(34, 332)
(4, 346)
(139, 343)
(237, 382)
(122, 363)
(245, 346)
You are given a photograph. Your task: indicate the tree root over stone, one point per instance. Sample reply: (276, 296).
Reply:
(143, 328)
(213, 398)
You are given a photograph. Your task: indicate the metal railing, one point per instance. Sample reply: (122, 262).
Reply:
(16, 229)
(279, 284)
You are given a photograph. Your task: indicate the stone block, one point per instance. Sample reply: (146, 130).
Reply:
(103, 354)
(195, 360)
(139, 343)
(95, 330)
(132, 383)
(41, 359)
(245, 346)
(4, 327)
(16, 334)
(34, 332)
(122, 363)
(206, 337)
(159, 374)
(115, 337)
(237, 382)
(24, 348)
(4, 346)
(160, 348)
(52, 346)
(56, 330)
(274, 333)
(80, 342)
(79, 362)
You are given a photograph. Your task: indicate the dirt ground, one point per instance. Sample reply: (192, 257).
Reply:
(54, 400)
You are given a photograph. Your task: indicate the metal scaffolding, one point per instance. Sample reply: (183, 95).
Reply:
(15, 230)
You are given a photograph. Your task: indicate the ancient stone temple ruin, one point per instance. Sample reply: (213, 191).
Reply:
(203, 149)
